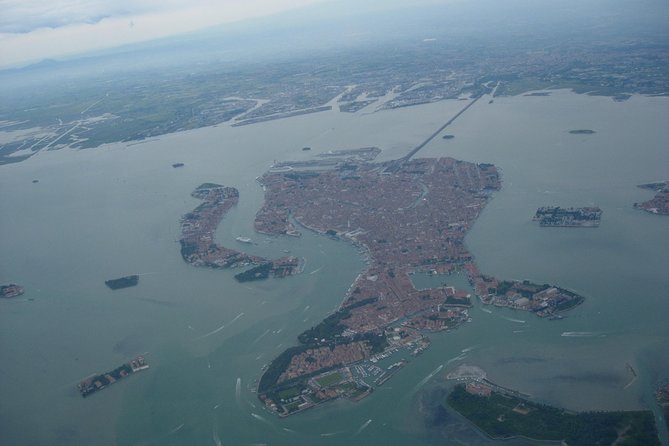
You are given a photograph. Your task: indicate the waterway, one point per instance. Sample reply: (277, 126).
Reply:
(103, 213)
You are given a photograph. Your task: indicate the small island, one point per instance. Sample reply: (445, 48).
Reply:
(122, 282)
(98, 382)
(503, 414)
(582, 132)
(11, 290)
(555, 216)
(659, 204)
(662, 397)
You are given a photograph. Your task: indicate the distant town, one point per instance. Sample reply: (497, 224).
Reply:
(132, 107)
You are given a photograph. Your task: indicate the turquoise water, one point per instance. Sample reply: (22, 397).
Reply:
(111, 211)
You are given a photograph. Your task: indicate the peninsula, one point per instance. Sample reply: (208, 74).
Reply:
(407, 216)
(197, 238)
(659, 204)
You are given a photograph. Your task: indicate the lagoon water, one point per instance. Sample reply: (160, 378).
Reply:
(111, 211)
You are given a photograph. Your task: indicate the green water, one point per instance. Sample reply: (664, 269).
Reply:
(111, 211)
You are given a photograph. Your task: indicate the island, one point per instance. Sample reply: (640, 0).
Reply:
(582, 132)
(122, 282)
(555, 216)
(98, 382)
(11, 290)
(502, 414)
(662, 397)
(406, 216)
(659, 204)
(197, 238)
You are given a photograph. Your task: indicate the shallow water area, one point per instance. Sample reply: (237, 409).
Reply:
(103, 213)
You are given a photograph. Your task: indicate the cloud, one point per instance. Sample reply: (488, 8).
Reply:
(31, 30)
(20, 16)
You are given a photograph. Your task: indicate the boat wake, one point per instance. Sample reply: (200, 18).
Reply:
(261, 336)
(332, 434)
(487, 310)
(579, 334)
(215, 437)
(363, 427)
(460, 357)
(258, 417)
(428, 377)
(237, 317)
(238, 390)
(316, 270)
(213, 332)
(176, 429)
(510, 319)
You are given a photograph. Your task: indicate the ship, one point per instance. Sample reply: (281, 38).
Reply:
(244, 239)
(98, 382)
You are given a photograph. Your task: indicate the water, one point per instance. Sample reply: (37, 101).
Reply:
(102, 213)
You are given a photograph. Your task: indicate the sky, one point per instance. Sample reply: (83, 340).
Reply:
(33, 30)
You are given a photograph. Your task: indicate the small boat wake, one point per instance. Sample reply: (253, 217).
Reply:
(363, 427)
(518, 321)
(261, 336)
(215, 437)
(264, 420)
(238, 390)
(176, 429)
(332, 434)
(460, 357)
(580, 334)
(428, 377)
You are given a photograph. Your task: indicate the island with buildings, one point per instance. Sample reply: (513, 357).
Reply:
(659, 204)
(504, 414)
(199, 248)
(555, 216)
(122, 282)
(11, 290)
(98, 382)
(406, 216)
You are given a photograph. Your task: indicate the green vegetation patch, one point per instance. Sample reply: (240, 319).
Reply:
(495, 415)
(328, 380)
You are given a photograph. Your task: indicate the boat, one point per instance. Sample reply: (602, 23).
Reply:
(244, 239)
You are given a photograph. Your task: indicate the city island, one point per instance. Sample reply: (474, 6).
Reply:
(406, 216)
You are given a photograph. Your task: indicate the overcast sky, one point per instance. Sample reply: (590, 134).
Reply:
(31, 30)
